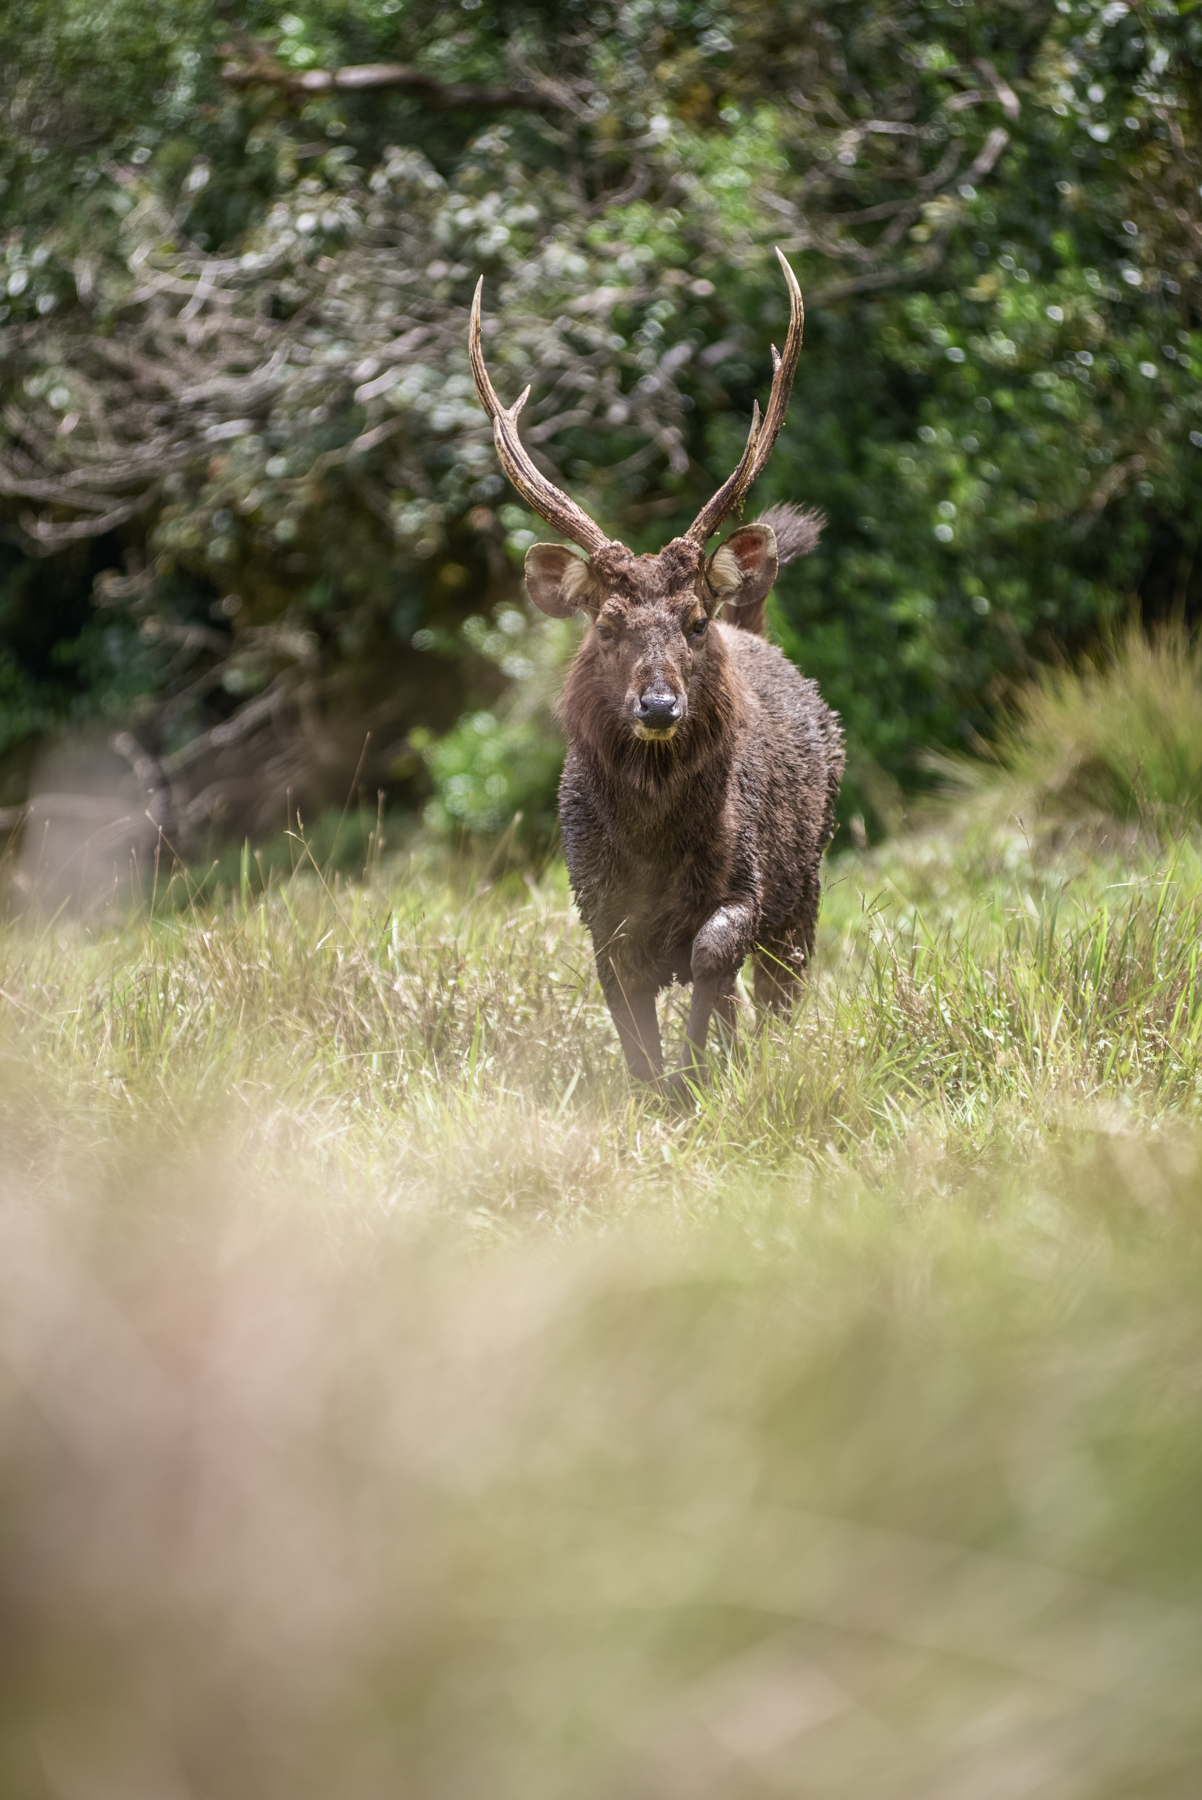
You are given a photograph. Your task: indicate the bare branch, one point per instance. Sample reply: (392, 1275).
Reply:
(1007, 98)
(989, 152)
(264, 71)
(47, 536)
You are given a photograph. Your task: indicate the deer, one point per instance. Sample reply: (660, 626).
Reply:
(703, 767)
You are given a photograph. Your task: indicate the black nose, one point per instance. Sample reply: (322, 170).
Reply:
(658, 710)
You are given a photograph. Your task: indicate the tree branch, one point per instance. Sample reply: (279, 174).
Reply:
(264, 71)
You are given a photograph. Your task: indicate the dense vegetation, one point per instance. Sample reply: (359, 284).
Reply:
(246, 484)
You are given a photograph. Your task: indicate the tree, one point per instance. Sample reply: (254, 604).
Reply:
(237, 405)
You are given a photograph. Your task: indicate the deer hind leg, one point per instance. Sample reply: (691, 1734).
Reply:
(777, 977)
(637, 1024)
(780, 965)
(726, 1006)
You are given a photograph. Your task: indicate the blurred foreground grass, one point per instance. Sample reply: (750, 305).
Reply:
(392, 1402)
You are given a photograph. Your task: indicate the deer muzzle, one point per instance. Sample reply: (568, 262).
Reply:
(657, 713)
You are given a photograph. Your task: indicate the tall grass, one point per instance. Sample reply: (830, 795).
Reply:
(393, 1401)
(1118, 737)
(465, 1029)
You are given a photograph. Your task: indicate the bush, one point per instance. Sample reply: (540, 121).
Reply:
(232, 353)
(501, 767)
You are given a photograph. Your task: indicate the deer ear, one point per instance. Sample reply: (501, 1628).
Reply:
(558, 582)
(741, 571)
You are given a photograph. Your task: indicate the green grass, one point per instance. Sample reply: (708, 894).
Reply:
(1116, 741)
(392, 1401)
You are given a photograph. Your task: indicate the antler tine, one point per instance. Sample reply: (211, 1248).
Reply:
(762, 437)
(731, 492)
(783, 370)
(546, 499)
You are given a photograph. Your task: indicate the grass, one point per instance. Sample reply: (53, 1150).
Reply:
(392, 1401)
(1115, 741)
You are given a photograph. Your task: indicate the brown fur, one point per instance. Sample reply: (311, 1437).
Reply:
(693, 839)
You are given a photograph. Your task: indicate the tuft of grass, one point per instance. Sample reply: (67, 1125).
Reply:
(393, 1400)
(1117, 739)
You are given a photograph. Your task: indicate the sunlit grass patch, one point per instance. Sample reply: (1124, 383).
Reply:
(452, 1033)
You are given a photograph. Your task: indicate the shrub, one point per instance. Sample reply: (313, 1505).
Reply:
(238, 417)
(500, 767)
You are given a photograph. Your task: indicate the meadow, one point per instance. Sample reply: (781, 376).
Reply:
(392, 1400)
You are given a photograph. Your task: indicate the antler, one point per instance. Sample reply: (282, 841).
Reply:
(761, 437)
(546, 499)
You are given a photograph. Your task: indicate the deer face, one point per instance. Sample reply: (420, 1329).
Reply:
(648, 654)
(651, 616)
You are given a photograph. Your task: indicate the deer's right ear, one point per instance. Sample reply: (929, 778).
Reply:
(558, 582)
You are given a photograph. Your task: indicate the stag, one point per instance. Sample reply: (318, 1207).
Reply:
(702, 769)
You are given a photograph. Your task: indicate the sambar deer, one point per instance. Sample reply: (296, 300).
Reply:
(702, 769)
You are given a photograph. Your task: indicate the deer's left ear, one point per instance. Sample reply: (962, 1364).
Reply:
(741, 571)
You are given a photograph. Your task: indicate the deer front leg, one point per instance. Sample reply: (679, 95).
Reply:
(718, 952)
(637, 1025)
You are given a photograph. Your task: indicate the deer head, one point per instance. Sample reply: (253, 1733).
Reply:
(651, 614)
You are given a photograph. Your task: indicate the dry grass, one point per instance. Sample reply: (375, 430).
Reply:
(393, 1402)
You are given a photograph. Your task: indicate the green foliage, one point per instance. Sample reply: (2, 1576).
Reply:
(1046, 377)
(993, 211)
(490, 772)
(501, 767)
